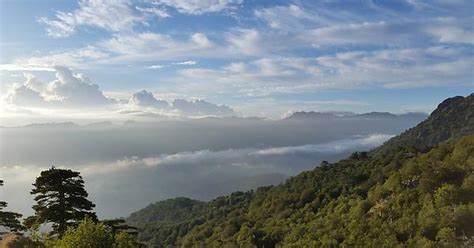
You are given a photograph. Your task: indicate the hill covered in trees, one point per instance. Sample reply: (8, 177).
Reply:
(415, 190)
(453, 118)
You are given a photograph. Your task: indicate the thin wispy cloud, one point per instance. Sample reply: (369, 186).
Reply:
(187, 62)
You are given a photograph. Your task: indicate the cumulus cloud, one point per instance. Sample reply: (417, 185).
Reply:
(67, 90)
(198, 7)
(25, 96)
(180, 107)
(146, 99)
(76, 89)
(201, 107)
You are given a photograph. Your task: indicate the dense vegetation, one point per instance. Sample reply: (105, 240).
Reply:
(453, 118)
(398, 195)
(61, 202)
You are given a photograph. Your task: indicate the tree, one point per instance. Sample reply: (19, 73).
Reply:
(87, 234)
(61, 199)
(125, 240)
(9, 219)
(91, 234)
(118, 225)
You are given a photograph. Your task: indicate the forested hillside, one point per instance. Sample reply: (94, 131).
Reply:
(453, 118)
(403, 193)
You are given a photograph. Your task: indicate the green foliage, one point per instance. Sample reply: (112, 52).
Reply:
(9, 220)
(87, 234)
(171, 216)
(91, 234)
(453, 118)
(125, 240)
(119, 226)
(401, 198)
(60, 199)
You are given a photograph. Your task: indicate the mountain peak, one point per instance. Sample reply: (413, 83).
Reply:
(454, 117)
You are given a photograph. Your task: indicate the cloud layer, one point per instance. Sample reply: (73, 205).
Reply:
(67, 90)
(75, 91)
(122, 186)
(127, 166)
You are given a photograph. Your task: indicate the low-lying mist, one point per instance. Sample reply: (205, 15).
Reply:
(126, 166)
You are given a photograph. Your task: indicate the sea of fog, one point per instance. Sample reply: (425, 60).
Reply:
(127, 166)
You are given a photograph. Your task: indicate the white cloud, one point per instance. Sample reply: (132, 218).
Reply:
(390, 68)
(115, 16)
(246, 41)
(76, 89)
(73, 92)
(448, 30)
(67, 90)
(33, 83)
(285, 17)
(74, 58)
(201, 39)
(442, 30)
(25, 96)
(201, 108)
(366, 33)
(154, 46)
(198, 7)
(187, 62)
(157, 67)
(158, 12)
(146, 99)
(25, 67)
(370, 141)
(249, 158)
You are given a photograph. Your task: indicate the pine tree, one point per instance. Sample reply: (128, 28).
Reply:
(61, 199)
(9, 219)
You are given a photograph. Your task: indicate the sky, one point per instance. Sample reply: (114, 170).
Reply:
(70, 60)
(117, 89)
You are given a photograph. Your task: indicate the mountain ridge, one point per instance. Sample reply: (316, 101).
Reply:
(401, 196)
(304, 115)
(454, 117)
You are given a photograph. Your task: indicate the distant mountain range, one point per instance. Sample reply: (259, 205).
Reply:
(302, 115)
(414, 191)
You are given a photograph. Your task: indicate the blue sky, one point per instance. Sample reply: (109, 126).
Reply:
(260, 58)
